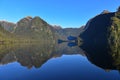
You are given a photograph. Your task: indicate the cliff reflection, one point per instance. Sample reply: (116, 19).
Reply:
(103, 56)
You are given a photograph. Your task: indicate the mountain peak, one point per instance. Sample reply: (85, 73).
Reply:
(57, 27)
(29, 17)
(39, 21)
(105, 12)
(37, 18)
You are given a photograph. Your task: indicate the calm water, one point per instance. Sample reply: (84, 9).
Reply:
(52, 62)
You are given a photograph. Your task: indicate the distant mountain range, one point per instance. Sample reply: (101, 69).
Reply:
(100, 35)
(36, 28)
(63, 33)
(28, 27)
(9, 26)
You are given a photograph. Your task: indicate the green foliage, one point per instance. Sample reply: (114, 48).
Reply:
(114, 39)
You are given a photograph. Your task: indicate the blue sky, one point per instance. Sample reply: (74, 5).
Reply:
(67, 13)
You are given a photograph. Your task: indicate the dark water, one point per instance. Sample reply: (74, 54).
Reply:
(64, 61)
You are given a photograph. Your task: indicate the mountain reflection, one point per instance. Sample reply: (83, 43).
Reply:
(102, 55)
(35, 55)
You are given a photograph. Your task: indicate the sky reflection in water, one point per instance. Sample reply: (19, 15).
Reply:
(66, 67)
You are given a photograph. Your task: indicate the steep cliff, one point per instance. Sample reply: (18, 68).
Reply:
(102, 36)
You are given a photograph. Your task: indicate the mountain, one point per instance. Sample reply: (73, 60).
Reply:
(63, 33)
(96, 29)
(9, 26)
(5, 36)
(26, 30)
(23, 26)
(103, 29)
(34, 28)
(102, 35)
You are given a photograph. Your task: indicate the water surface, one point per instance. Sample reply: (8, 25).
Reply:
(52, 62)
